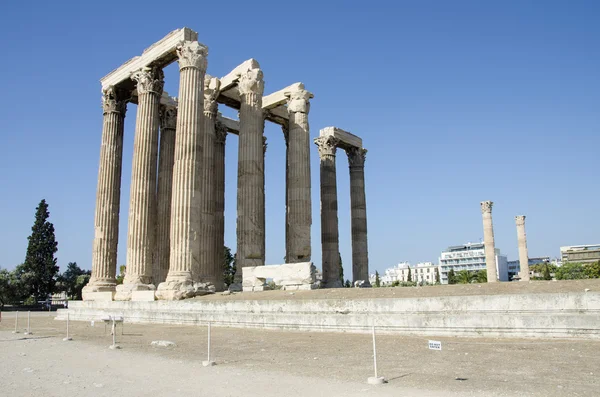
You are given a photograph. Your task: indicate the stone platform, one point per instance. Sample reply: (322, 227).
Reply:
(532, 315)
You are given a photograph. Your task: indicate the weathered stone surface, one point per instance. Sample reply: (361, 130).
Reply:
(345, 139)
(488, 241)
(142, 296)
(358, 213)
(163, 343)
(523, 255)
(98, 296)
(284, 275)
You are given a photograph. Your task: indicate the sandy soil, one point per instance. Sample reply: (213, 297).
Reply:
(284, 363)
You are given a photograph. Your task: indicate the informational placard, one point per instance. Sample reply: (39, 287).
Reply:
(435, 345)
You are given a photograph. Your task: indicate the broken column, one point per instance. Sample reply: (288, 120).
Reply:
(298, 186)
(488, 241)
(185, 203)
(329, 212)
(250, 195)
(142, 205)
(108, 196)
(358, 213)
(523, 256)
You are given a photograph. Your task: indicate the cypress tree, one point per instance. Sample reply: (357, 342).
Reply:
(409, 278)
(451, 277)
(40, 268)
(377, 281)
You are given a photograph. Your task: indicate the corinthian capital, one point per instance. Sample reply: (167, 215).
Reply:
(149, 80)
(192, 55)
(168, 117)
(211, 93)
(114, 100)
(486, 207)
(251, 82)
(298, 100)
(356, 156)
(520, 219)
(327, 145)
(220, 132)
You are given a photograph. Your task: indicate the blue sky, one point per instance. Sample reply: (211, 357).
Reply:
(457, 102)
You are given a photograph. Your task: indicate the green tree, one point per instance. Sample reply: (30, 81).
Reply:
(341, 268)
(451, 276)
(121, 275)
(228, 266)
(409, 278)
(348, 284)
(40, 264)
(464, 277)
(592, 270)
(571, 271)
(481, 276)
(71, 279)
(546, 273)
(437, 276)
(377, 281)
(9, 287)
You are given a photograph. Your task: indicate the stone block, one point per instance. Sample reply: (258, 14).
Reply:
(295, 274)
(142, 296)
(105, 296)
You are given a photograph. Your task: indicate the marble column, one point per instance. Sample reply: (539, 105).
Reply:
(185, 202)
(523, 256)
(358, 214)
(141, 235)
(329, 212)
(166, 159)
(488, 241)
(250, 194)
(286, 135)
(298, 186)
(108, 195)
(219, 198)
(208, 259)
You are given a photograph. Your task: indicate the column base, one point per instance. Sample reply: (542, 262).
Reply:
(362, 284)
(235, 287)
(176, 287)
(332, 284)
(99, 290)
(125, 291)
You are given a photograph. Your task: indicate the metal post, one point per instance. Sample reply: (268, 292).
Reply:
(114, 335)
(68, 337)
(16, 331)
(28, 332)
(375, 380)
(208, 362)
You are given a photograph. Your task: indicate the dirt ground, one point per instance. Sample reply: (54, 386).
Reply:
(284, 363)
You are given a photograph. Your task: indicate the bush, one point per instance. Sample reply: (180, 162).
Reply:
(30, 301)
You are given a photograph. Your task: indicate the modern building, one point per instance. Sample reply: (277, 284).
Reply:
(471, 257)
(514, 267)
(423, 272)
(580, 253)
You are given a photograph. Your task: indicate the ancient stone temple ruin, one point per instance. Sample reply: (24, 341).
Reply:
(175, 231)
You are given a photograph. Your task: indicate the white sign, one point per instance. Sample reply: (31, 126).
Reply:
(435, 345)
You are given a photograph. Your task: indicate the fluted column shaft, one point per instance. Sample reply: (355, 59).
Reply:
(298, 186)
(488, 241)
(165, 183)
(141, 234)
(523, 255)
(329, 212)
(185, 202)
(207, 269)
(358, 213)
(219, 198)
(106, 221)
(250, 197)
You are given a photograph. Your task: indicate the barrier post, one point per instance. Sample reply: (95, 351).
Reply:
(114, 335)
(68, 338)
(208, 362)
(28, 332)
(16, 331)
(375, 380)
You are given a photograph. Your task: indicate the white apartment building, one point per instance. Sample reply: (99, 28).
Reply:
(580, 253)
(471, 257)
(423, 272)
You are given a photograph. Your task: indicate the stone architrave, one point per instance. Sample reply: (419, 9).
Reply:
(250, 195)
(166, 159)
(358, 213)
(523, 256)
(207, 271)
(298, 186)
(185, 202)
(488, 241)
(141, 234)
(329, 212)
(106, 222)
(219, 198)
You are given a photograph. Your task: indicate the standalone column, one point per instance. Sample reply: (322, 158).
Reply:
(250, 195)
(298, 188)
(141, 235)
(488, 241)
(207, 272)
(185, 202)
(219, 198)
(166, 158)
(106, 222)
(329, 213)
(523, 257)
(358, 214)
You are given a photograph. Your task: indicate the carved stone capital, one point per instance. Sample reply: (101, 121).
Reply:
(486, 207)
(520, 219)
(220, 132)
(356, 157)
(168, 117)
(149, 80)
(327, 145)
(192, 54)
(114, 100)
(252, 85)
(211, 93)
(299, 101)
